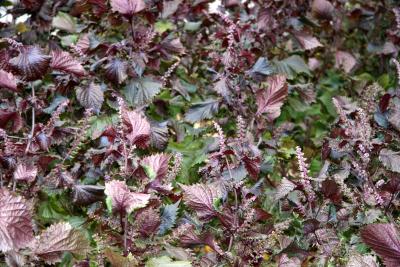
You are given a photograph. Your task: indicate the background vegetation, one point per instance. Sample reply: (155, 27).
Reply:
(199, 133)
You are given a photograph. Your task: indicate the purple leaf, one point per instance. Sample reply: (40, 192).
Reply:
(270, 101)
(8, 81)
(31, 63)
(158, 163)
(116, 71)
(128, 7)
(15, 222)
(384, 239)
(25, 173)
(137, 127)
(90, 97)
(64, 62)
(122, 199)
(60, 238)
(200, 198)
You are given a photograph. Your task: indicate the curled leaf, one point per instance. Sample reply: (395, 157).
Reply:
(60, 238)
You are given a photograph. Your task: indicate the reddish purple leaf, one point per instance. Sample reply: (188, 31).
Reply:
(147, 221)
(270, 101)
(64, 62)
(31, 63)
(384, 239)
(252, 165)
(128, 7)
(137, 127)
(90, 97)
(8, 81)
(158, 164)
(25, 173)
(200, 198)
(15, 222)
(124, 200)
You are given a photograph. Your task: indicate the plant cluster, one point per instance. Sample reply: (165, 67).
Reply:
(199, 133)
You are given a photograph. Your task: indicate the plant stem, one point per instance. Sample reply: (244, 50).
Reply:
(125, 233)
(33, 121)
(236, 206)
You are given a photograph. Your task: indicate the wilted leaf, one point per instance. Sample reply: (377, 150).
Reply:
(63, 61)
(384, 240)
(141, 91)
(262, 67)
(202, 110)
(127, 7)
(308, 42)
(90, 97)
(122, 199)
(390, 159)
(166, 261)
(270, 101)
(31, 63)
(15, 222)
(345, 61)
(168, 217)
(117, 260)
(25, 173)
(322, 9)
(158, 163)
(8, 81)
(284, 188)
(116, 71)
(60, 238)
(87, 194)
(65, 22)
(137, 127)
(200, 198)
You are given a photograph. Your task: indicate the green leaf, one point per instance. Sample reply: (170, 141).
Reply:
(99, 123)
(141, 91)
(292, 66)
(202, 110)
(166, 261)
(109, 204)
(163, 26)
(149, 172)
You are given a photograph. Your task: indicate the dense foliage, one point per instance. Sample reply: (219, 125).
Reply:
(199, 133)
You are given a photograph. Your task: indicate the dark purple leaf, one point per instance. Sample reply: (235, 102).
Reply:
(87, 194)
(90, 97)
(31, 63)
(137, 128)
(116, 71)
